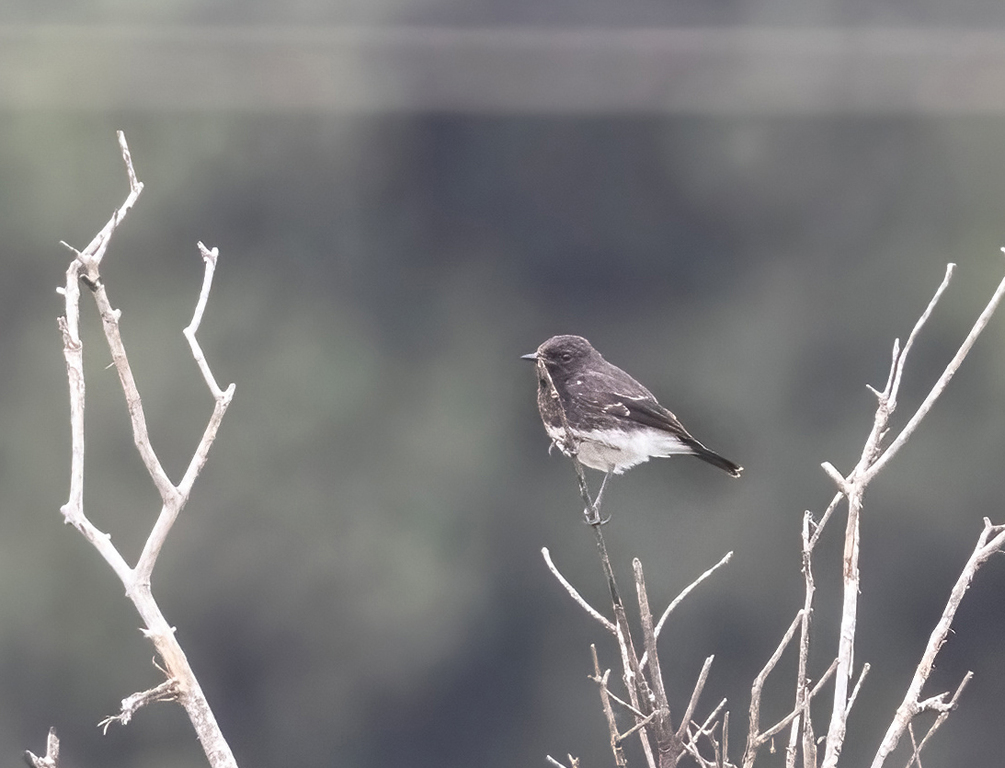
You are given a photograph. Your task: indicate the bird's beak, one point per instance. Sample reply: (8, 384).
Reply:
(531, 356)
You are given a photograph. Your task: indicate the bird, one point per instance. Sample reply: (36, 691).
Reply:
(613, 421)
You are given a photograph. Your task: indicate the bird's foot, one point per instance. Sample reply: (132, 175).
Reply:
(593, 517)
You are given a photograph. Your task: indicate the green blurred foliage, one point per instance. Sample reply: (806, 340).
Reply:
(357, 578)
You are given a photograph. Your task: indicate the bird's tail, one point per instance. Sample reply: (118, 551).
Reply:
(716, 460)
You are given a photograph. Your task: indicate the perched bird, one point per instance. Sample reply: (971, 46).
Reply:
(614, 421)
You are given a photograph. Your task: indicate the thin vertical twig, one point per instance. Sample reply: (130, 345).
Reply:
(605, 701)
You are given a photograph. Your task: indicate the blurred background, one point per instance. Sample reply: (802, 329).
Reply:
(741, 203)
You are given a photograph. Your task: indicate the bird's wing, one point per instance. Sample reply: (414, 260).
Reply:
(614, 392)
(644, 410)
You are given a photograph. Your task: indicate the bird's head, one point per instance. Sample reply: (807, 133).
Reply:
(563, 354)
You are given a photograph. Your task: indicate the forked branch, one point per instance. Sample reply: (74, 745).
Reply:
(180, 682)
(852, 487)
(990, 542)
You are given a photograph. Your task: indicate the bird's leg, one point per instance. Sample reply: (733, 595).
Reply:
(593, 512)
(600, 493)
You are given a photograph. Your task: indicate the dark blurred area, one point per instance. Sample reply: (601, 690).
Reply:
(357, 579)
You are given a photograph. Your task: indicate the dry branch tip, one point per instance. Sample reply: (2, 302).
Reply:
(51, 759)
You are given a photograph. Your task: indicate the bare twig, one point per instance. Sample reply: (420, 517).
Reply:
(90, 258)
(692, 704)
(640, 724)
(51, 759)
(573, 761)
(943, 380)
(684, 593)
(858, 687)
(706, 729)
(802, 678)
(668, 743)
(725, 736)
(605, 701)
(176, 498)
(754, 737)
(818, 526)
(708, 724)
(990, 541)
(812, 530)
(943, 709)
(638, 690)
(166, 691)
(624, 704)
(574, 593)
(797, 711)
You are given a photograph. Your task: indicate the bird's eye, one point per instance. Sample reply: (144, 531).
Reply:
(566, 357)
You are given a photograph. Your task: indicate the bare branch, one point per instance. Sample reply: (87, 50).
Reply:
(182, 683)
(837, 477)
(818, 526)
(846, 638)
(573, 761)
(51, 759)
(639, 725)
(90, 258)
(990, 541)
(695, 695)
(915, 749)
(754, 738)
(684, 593)
(622, 703)
(894, 387)
(665, 736)
(858, 686)
(210, 257)
(599, 617)
(612, 724)
(166, 691)
(706, 729)
(810, 535)
(943, 710)
(712, 715)
(941, 384)
(635, 682)
(173, 504)
(725, 736)
(797, 711)
(73, 353)
(141, 437)
(853, 486)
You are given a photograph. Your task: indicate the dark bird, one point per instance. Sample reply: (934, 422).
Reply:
(614, 421)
